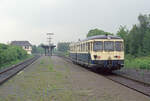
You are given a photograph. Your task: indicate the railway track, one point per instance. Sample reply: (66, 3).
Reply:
(139, 86)
(7, 73)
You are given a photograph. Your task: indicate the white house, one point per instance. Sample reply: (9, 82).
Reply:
(24, 44)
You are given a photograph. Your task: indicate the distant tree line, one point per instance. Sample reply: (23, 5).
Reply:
(136, 40)
(37, 49)
(10, 53)
(63, 46)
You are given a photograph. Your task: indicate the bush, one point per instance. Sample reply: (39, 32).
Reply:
(138, 62)
(10, 53)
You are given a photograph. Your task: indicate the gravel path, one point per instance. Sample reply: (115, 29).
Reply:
(54, 79)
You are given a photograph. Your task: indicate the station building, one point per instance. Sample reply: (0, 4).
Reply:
(24, 44)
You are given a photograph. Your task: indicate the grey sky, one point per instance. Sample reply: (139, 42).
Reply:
(68, 19)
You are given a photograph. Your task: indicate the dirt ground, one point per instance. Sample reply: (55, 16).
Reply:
(54, 79)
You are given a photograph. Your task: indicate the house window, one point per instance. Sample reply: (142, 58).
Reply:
(26, 47)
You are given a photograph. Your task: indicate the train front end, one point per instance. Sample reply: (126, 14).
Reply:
(108, 53)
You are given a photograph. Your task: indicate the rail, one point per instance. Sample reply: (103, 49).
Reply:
(139, 86)
(7, 73)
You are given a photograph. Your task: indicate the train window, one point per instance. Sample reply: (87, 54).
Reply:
(91, 46)
(74, 48)
(109, 46)
(98, 46)
(86, 47)
(118, 45)
(80, 48)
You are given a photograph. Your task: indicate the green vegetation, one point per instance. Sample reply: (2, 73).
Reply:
(11, 55)
(44, 82)
(63, 46)
(62, 49)
(51, 67)
(137, 43)
(37, 49)
(137, 62)
(96, 31)
(137, 40)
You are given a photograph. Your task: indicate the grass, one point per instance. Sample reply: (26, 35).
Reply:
(47, 81)
(138, 62)
(42, 83)
(15, 62)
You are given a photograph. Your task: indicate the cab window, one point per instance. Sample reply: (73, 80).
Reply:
(119, 45)
(98, 46)
(109, 46)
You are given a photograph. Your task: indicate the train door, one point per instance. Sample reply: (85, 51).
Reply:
(75, 47)
(77, 50)
(89, 50)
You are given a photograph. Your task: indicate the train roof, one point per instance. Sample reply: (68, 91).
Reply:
(99, 37)
(102, 37)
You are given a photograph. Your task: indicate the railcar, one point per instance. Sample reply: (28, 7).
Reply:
(101, 52)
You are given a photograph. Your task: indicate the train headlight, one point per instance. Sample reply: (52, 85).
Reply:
(95, 56)
(98, 57)
(118, 57)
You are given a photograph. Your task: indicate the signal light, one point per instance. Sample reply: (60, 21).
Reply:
(99, 57)
(95, 56)
(119, 57)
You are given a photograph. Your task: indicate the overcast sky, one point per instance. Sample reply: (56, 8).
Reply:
(69, 20)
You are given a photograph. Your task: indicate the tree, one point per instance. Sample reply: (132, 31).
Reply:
(9, 53)
(134, 41)
(144, 29)
(123, 33)
(146, 43)
(63, 46)
(96, 31)
(144, 20)
(37, 49)
(138, 37)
